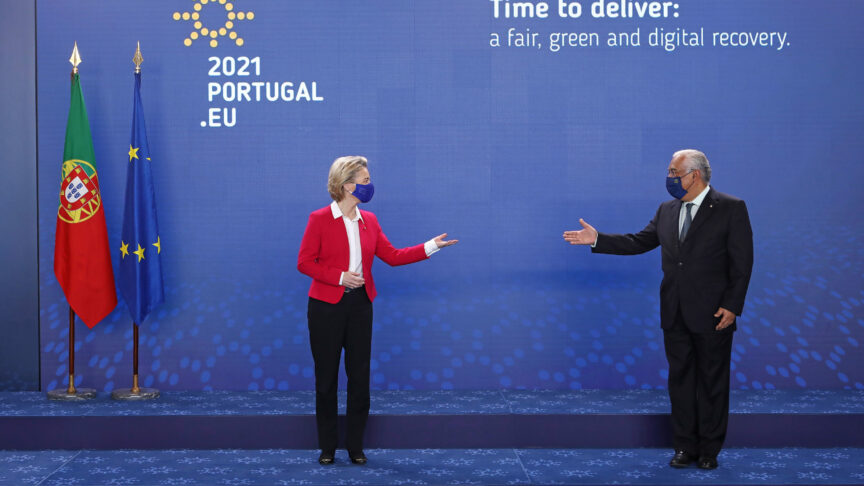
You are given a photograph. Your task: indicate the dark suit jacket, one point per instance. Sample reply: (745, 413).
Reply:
(710, 269)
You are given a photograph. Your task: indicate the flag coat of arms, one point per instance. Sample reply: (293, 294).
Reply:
(82, 258)
(140, 269)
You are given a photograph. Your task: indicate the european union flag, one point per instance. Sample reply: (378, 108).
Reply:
(141, 247)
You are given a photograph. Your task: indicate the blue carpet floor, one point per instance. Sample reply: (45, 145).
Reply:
(428, 467)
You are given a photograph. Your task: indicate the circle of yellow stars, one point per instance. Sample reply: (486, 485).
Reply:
(205, 32)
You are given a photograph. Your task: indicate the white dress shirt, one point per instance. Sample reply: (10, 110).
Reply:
(352, 227)
(697, 201)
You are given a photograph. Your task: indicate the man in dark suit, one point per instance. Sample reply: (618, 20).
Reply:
(707, 247)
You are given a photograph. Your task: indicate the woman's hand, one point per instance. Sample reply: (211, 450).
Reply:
(352, 280)
(441, 243)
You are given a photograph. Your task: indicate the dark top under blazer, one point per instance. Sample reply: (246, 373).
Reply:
(325, 253)
(710, 269)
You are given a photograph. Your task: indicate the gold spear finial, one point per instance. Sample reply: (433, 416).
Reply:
(138, 59)
(75, 59)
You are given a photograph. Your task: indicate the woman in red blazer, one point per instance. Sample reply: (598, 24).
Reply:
(337, 250)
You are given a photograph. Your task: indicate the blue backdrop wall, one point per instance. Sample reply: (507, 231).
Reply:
(502, 146)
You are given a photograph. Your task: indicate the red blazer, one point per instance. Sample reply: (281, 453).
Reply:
(324, 253)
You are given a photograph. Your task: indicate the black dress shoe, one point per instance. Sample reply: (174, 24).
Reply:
(681, 459)
(326, 458)
(357, 457)
(707, 463)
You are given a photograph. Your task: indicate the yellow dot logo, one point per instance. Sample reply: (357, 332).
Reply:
(215, 12)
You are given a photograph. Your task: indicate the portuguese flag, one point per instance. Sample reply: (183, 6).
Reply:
(82, 260)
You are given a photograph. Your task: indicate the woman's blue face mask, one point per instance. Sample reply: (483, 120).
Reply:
(364, 192)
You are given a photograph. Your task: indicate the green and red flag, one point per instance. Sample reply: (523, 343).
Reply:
(82, 259)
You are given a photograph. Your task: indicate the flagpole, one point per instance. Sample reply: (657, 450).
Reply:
(135, 387)
(136, 392)
(71, 389)
(70, 393)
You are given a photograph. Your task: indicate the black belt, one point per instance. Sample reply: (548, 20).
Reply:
(349, 290)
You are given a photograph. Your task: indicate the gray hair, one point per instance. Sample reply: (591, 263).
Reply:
(695, 160)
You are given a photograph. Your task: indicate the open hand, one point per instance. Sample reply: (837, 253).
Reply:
(441, 243)
(586, 236)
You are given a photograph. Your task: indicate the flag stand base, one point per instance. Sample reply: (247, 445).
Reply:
(70, 393)
(129, 395)
(80, 395)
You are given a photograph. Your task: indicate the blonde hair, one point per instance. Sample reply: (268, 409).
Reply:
(342, 172)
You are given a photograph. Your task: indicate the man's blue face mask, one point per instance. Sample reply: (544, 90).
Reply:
(675, 187)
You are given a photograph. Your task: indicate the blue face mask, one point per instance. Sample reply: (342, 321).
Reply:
(675, 188)
(673, 185)
(364, 192)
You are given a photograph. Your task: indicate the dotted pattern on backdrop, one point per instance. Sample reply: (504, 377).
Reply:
(802, 328)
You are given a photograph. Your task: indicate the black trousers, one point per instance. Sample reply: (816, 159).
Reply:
(698, 387)
(346, 324)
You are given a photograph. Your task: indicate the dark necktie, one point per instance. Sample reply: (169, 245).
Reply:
(687, 220)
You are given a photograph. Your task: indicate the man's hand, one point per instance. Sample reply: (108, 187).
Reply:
(726, 318)
(586, 236)
(352, 280)
(440, 243)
